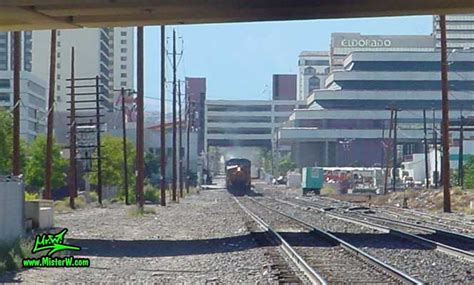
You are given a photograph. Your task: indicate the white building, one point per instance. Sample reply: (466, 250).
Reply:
(123, 58)
(459, 31)
(32, 104)
(313, 68)
(246, 122)
(105, 52)
(6, 51)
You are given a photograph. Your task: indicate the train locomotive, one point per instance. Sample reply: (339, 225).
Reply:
(238, 175)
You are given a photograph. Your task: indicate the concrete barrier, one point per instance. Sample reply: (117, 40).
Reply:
(11, 210)
(40, 212)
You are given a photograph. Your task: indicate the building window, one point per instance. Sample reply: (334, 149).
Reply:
(123, 83)
(123, 58)
(313, 83)
(309, 71)
(59, 44)
(58, 76)
(123, 34)
(123, 50)
(123, 75)
(123, 66)
(58, 65)
(58, 87)
(123, 42)
(58, 55)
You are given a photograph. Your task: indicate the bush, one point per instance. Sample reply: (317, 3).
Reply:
(151, 194)
(63, 205)
(328, 190)
(30, 196)
(94, 196)
(137, 212)
(11, 255)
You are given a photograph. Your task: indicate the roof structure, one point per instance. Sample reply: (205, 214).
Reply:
(48, 14)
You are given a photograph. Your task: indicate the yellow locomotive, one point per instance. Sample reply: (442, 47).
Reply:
(238, 176)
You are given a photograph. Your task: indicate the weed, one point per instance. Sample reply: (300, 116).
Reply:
(328, 190)
(140, 212)
(12, 254)
(31, 196)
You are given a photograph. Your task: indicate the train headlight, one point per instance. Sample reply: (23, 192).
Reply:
(238, 168)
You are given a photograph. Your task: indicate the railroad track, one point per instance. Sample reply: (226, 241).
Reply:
(453, 243)
(428, 219)
(321, 256)
(420, 258)
(414, 216)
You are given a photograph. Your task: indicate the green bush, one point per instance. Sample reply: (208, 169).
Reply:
(30, 196)
(11, 255)
(328, 190)
(151, 194)
(94, 196)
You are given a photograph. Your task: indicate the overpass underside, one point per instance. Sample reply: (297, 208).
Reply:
(47, 14)
(239, 143)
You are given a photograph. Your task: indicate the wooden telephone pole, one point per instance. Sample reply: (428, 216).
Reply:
(49, 137)
(174, 172)
(140, 119)
(16, 102)
(425, 140)
(162, 122)
(445, 120)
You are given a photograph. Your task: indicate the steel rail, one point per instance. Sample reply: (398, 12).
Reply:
(390, 270)
(295, 258)
(428, 228)
(466, 255)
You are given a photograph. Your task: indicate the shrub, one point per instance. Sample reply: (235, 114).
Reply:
(328, 190)
(94, 196)
(11, 255)
(30, 196)
(137, 212)
(151, 194)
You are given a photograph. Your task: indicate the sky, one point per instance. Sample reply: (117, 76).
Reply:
(239, 59)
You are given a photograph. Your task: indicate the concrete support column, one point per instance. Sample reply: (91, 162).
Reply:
(326, 153)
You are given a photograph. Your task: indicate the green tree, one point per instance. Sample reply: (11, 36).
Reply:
(112, 163)
(266, 158)
(35, 170)
(152, 168)
(469, 172)
(5, 141)
(286, 164)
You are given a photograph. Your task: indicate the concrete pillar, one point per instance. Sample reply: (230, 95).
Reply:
(11, 211)
(326, 153)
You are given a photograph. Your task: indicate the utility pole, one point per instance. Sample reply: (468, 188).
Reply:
(162, 122)
(188, 128)
(461, 154)
(435, 145)
(382, 161)
(99, 145)
(174, 119)
(387, 161)
(394, 173)
(427, 171)
(125, 160)
(49, 137)
(140, 119)
(445, 120)
(180, 157)
(72, 136)
(16, 102)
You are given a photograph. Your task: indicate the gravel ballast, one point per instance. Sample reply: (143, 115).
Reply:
(203, 239)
